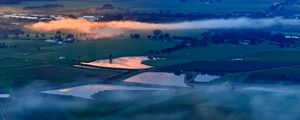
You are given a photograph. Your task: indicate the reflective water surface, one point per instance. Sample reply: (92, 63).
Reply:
(4, 95)
(168, 79)
(86, 91)
(122, 62)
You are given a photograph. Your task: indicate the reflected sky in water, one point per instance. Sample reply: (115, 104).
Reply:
(167, 79)
(158, 78)
(86, 91)
(205, 78)
(4, 96)
(122, 62)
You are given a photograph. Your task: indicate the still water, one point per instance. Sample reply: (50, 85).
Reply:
(86, 91)
(149, 78)
(168, 79)
(122, 63)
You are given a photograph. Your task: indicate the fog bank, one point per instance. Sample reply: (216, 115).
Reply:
(119, 28)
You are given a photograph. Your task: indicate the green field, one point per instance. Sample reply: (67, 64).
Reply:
(26, 62)
(287, 75)
(228, 52)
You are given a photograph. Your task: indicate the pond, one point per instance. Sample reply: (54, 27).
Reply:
(168, 79)
(205, 77)
(4, 96)
(163, 79)
(122, 63)
(86, 91)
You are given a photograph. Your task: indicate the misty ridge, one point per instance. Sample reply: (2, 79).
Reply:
(119, 28)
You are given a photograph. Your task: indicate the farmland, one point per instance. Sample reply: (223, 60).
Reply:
(32, 63)
(228, 60)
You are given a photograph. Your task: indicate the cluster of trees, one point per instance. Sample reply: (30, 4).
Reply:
(190, 41)
(159, 35)
(16, 33)
(220, 67)
(4, 33)
(184, 43)
(232, 36)
(253, 36)
(63, 37)
(135, 36)
(168, 50)
(174, 48)
(2, 45)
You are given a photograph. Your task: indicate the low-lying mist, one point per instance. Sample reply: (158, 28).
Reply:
(98, 30)
(207, 103)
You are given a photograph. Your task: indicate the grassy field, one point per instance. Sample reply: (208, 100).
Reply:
(25, 62)
(288, 75)
(44, 64)
(227, 52)
(94, 50)
(83, 50)
(46, 75)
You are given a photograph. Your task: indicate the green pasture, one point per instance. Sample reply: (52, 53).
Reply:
(27, 62)
(226, 52)
(288, 75)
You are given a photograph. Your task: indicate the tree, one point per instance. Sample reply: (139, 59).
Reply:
(157, 32)
(110, 58)
(43, 35)
(58, 32)
(17, 35)
(161, 37)
(16, 32)
(136, 36)
(58, 36)
(149, 36)
(37, 35)
(167, 35)
(70, 38)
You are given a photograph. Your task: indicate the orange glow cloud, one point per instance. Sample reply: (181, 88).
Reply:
(92, 29)
(117, 28)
